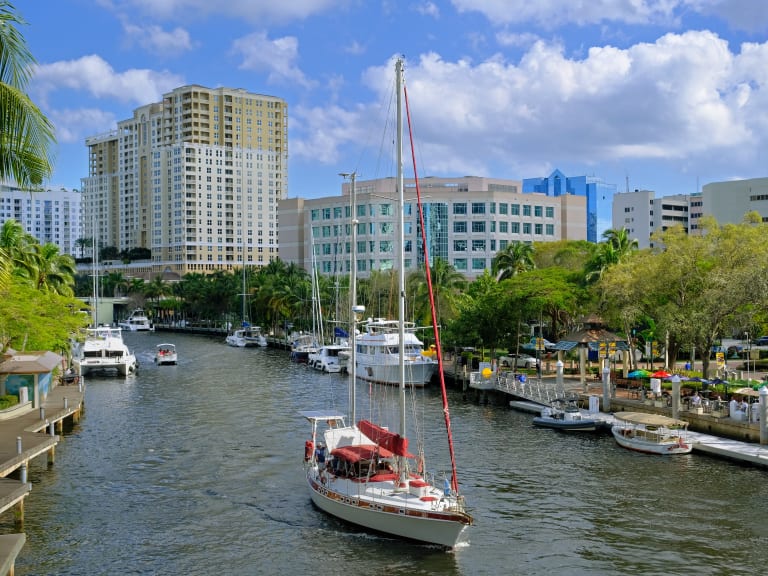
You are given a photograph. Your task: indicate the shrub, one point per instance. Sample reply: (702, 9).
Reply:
(8, 400)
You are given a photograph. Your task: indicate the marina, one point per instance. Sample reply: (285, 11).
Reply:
(164, 467)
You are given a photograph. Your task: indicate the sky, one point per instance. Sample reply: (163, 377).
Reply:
(663, 95)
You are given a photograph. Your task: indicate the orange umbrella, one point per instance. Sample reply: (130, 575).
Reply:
(661, 374)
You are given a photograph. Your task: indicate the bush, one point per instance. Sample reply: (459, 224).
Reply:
(8, 400)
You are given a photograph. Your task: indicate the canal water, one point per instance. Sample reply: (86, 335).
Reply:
(197, 469)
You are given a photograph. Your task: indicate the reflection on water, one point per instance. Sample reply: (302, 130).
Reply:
(196, 469)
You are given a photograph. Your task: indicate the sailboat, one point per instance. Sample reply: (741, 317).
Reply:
(246, 335)
(363, 472)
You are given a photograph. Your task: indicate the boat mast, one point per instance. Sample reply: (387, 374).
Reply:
(401, 247)
(353, 307)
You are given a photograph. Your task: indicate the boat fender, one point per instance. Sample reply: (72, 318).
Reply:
(309, 449)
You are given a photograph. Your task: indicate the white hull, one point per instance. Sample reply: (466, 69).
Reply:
(417, 373)
(240, 339)
(639, 444)
(104, 350)
(376, 506)
(327, 359)
(166, 354)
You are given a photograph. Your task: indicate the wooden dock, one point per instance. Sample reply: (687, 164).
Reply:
(25, 434)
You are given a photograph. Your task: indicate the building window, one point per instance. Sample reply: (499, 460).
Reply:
(550, 229)
(459, 245)
(478, 227)
(537, 211)
(526, 228)
(503, 208)
(478, 263)
(538, 229)
(459, 227)
(460, 208)
(549, 212)
(515, 227)
(503, 227)
(478, 207)
(515, 209)
(526, 210)
(478, 245)
(460, 263)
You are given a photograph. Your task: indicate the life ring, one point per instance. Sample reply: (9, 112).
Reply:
(309, 449)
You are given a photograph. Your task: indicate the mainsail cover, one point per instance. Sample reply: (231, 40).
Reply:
(393, 442)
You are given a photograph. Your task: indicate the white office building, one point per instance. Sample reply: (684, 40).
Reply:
(468, 220)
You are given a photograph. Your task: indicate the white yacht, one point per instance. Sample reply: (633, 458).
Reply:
(377, 353)
(104, 350)
(136, 322)
(247, 337)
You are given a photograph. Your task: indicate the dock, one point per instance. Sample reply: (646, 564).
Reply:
(728, 446)
(25, 434)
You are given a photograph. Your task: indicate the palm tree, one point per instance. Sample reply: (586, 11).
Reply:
(517, 257)
(52, 271)
(26, 135)
(616, 247)
(447, 286)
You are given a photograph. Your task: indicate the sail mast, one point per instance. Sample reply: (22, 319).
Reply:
(401, 247)
(354, 309)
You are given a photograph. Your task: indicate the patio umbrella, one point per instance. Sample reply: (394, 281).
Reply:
(639, 373)
(661, 374)
(747, 392)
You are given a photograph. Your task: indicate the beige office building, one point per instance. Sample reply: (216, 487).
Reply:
(468, 220)
(195, 178)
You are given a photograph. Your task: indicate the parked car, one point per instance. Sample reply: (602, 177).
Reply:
(519, 361)
(531, 345)
(762, 341)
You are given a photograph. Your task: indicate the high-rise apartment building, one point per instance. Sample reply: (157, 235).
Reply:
(642, 214)
(467, 220)
(195, 178)
(49, 214)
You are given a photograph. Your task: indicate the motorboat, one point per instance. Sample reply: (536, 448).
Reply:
(137, 321)
(165, 354)
(302, 345)
(651, 433)
(363, 472)
(249, 337)
(104, 350)
(565, 414)
(327, 359)
(377, 354)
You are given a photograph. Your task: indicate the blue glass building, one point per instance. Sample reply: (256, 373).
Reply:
(558, 184)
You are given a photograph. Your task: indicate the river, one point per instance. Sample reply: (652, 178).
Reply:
(196, 469)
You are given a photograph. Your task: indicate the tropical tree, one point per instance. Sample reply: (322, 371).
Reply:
(51, 271)
(515, 258)
(26, 135)
(617, 247)
(447, 287)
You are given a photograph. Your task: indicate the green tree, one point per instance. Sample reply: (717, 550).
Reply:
(517, 257)
(617, 246)
(26, 135)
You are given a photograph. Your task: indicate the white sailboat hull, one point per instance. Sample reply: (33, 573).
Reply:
(379, 508)
(417, 373)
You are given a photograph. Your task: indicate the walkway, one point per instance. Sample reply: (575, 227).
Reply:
(24, 435)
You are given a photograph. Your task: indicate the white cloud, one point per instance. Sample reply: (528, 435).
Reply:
(276, 56)
(93, 75)
(156, 40)
(428, 9)
(74, 125)
(550, 13)
(259, 11)
(685, 99)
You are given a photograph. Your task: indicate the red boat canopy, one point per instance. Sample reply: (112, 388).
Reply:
(388, 440)
(361, 452)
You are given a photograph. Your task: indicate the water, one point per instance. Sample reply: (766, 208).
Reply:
(196, 469)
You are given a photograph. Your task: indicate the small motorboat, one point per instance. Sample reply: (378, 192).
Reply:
(565, 414)
(165, 354)
(651, 433)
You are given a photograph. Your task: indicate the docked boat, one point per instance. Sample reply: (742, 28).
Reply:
(138, 321)
(247, 337)
(302, 345)
(651, 433)
(165, 354)
(331, 357)
(104, 350)
(363, 472)
(565, 414)
(377, 354)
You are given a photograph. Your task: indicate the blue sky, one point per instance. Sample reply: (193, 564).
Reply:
(666, 95)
